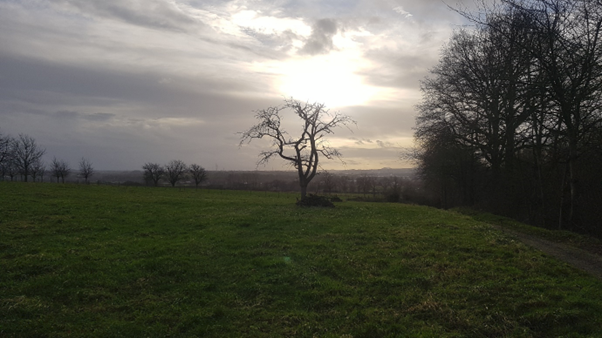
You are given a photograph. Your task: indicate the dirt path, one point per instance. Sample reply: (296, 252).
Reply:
(578, 258)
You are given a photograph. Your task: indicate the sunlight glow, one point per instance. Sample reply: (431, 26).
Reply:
(328, 79)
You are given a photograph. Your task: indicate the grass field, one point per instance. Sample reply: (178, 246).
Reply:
(100, 261)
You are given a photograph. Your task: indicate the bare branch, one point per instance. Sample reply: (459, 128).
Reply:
(85, 169)
(302, 152)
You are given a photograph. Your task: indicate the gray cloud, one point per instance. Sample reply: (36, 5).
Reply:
(320, 41)
(71, 115)
(386, 144)
(362, 141)
(127, 82)
(155, 14)
(377, 122)
(120, 120)
(45, 83)
(276, 44)
(398, 70)
(65, 114)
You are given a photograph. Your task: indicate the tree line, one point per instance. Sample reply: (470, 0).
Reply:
(21, 159)
(364, 186)
(173, 172)
(511, 117)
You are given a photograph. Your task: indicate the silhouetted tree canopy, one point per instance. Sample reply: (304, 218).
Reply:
(511, 115)
(25, 153)
(153, 172)
(198, 173)
(175, 171)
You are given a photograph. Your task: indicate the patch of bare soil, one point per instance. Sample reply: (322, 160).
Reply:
(576, 257)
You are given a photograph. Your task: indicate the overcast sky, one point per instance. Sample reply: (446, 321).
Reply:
(124, 82)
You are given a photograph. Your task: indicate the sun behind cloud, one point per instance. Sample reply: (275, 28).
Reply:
(331, 78)
(327, 78)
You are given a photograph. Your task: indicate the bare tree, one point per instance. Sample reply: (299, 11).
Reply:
(85, 169)
(6, 154)
(6, 143)
(570, 55)
(345, 183)
(38, 169)
(175, 171)
(55, 169)
(153, 172)
(199, 174)
(10, 169)
(365, 183)
(65, 170)
(60, 169)
(329, 182)
(303, 151)
(566, 50)
(392, 186)
(25, 153)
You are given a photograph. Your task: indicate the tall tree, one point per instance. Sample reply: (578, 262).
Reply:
(568, 50)
(303, 151)
(516, 103)
(477, 97)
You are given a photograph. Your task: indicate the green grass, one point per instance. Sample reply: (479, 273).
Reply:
(576, 240)
(99, 261)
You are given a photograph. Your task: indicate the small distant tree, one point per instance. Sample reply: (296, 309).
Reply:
(6, 152)
(60, 169)
(198, 173)
(153, 172)
(66, 171)
(25, 153)
(345, 183)
(10, 169)
(366, 183)
(6, 155)
(391, 188)
(85, 169)
(55, 168)
(303, 151)
(38, 169)
(175, 171)
(329, 182)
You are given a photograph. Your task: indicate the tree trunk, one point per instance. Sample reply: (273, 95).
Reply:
(562, 199)
(303, 191)
(574, 215)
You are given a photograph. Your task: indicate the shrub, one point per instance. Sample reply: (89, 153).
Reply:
(315, 201)
(336, 199)
(392, 196)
